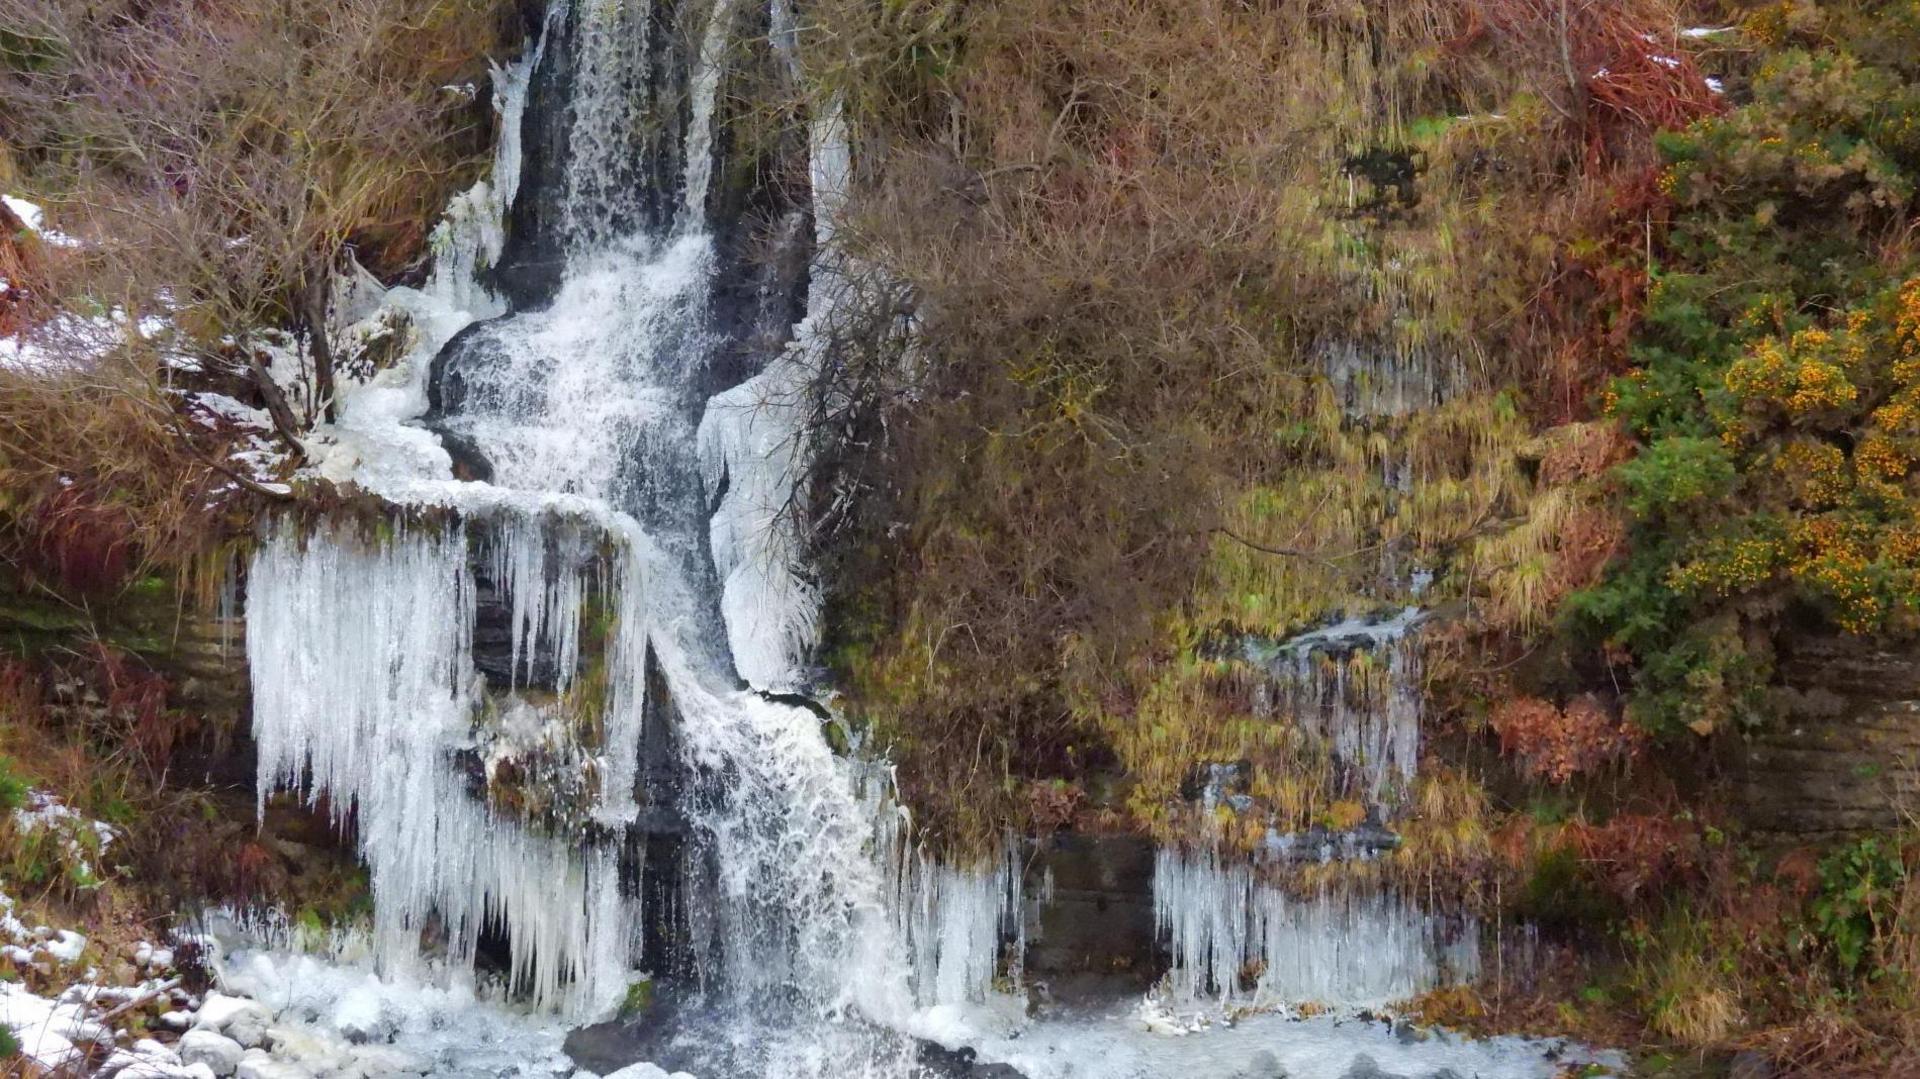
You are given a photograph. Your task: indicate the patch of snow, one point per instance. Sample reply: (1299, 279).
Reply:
(321, 1007)
(45, 813)
(35, 218)
(50, 1034)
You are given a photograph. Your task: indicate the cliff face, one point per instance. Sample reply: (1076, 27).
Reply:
(1845, 756)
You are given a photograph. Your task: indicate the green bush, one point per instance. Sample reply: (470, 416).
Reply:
(1775, 390)
(13, 786)
(1858, 904)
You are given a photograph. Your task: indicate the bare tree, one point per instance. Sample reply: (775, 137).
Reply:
(220, 158)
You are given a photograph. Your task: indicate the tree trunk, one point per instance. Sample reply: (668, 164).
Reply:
(284, 423)
(314, 300)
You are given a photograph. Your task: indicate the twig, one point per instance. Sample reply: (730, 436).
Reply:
(164, 987)
(1293, 552)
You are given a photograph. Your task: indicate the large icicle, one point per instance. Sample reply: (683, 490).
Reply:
(1331, 949)
(363, 687)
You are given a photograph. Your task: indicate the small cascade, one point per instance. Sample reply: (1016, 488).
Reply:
(1354, 685)
(1238, 941)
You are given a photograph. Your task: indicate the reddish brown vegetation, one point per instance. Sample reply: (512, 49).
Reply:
(1636, 857)
(1557, 744)
(19, 269)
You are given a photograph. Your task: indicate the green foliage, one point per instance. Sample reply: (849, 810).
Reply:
(13, 785)
(1858, 904)
(1776, 380)
(1559, 894)
(1676, 474)
(638, 1000)
(9, 1044)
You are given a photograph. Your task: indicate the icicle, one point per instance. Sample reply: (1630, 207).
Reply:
(707, 68)
(363, 685)
(1368, 716)
(949, 922)
(1336, 950)
(544, 568)
(625, 713)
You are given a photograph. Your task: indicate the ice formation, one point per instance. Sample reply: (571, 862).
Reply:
(361, 654)
(1356, 686)
(1335, 949)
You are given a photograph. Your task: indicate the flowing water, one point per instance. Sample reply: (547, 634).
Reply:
(553, 688)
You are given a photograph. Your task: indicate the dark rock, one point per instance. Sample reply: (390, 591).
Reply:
(1264, 1065)
(1364, 1067)
(962, 1063)
(1097, 936)
(469, 464)
(1840, 760)
(798, 700)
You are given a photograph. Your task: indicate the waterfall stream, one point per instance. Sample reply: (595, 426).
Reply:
(549, 685)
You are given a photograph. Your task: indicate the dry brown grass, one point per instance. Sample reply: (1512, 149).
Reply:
(220, 158)
(105, 484)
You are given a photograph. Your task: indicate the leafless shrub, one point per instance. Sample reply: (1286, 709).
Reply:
(218, 158)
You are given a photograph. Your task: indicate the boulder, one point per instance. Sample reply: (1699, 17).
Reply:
(218, 1052)
(243, 1020)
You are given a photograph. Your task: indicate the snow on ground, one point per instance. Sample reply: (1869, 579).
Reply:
(35, 218)
(70, 1028)
(80, 839)
(69, 342)
(1143, 1040)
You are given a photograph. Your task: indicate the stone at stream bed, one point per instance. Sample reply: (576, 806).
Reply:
(217, 1051)
(1264, 1065)
(243, 1020)
(1365, 1068)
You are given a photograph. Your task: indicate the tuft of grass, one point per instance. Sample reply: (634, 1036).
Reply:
(13, 785)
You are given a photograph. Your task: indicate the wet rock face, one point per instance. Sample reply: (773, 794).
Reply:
(1097, 936)
(1842, 757)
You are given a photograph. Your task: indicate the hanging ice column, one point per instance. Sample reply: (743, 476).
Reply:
(364, 687)
(1237, 941)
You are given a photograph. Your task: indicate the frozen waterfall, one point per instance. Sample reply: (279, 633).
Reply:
(468, 681)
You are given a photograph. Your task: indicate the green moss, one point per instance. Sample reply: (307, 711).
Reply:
(639, 999)
(1558, 894)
